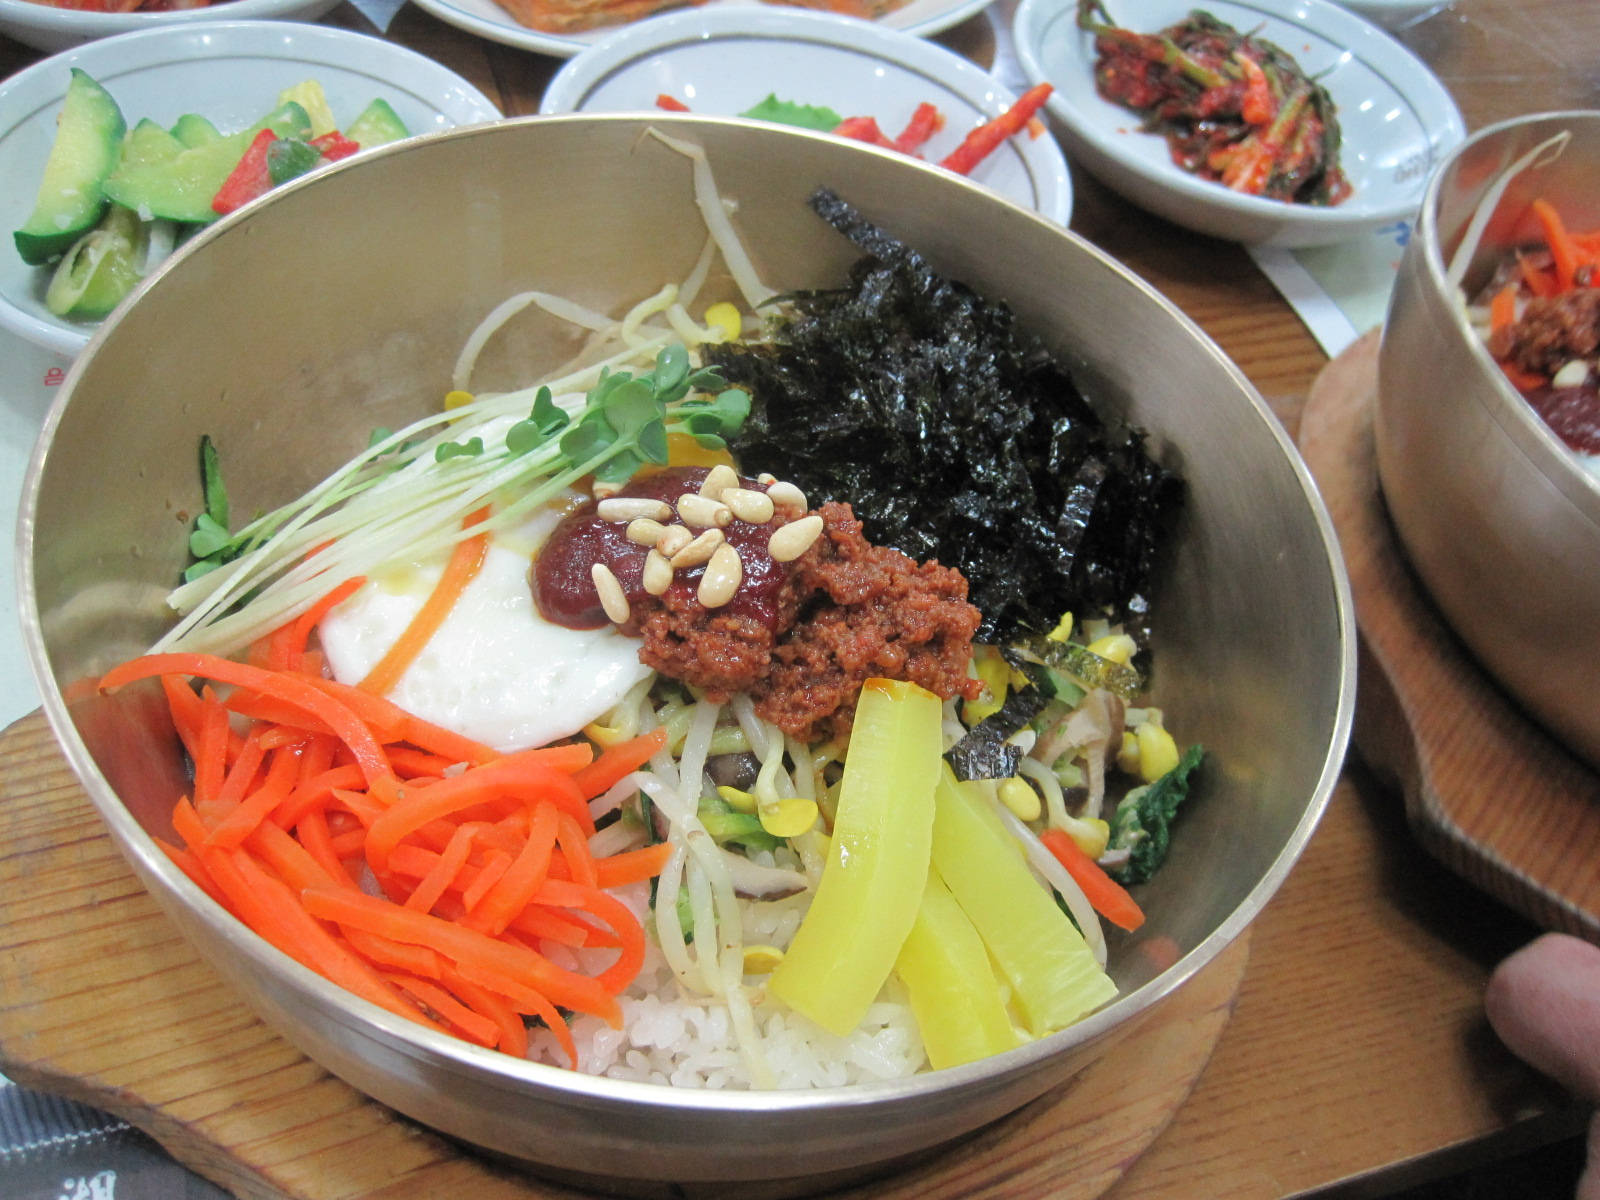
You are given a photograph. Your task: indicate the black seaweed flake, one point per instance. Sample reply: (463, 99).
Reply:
(955, 437)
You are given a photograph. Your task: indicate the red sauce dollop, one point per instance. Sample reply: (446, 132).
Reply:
(563, 588)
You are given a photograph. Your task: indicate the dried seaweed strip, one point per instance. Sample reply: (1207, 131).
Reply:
(955, 436)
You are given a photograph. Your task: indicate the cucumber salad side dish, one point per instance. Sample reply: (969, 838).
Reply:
(759, 699)
(114, 199)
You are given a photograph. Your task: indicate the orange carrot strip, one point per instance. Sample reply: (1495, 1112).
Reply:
(259, 804)
(1503, 308)
(1109, 898)
(575, 850)
(241, 775)
(473, 952)
(300, 628)
(1566, 256)
(510, 894)
(292, 862)
(382, 951)
(316, 793)
(616, 761)
(465, 562)
(513, 1033)
(436, 739)
(312, 830)
(444, 870)
(409, 763)
(497, 864)
(632, 866)
(1538, 280)
(630, 935)
(314, 946)
(187, 713)
(347, 843)
(293, 688)
(210, 766)
(540, 773)
(190, 864)
(470, 1025)
(540, 921)
(395, 724)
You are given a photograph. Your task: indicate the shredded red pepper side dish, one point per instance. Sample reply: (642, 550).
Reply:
(475, 863)
(1234, 108)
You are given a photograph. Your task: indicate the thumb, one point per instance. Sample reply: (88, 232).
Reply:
(1544, 1003)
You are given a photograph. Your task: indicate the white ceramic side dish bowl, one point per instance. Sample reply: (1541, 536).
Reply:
(1397, 119)
(719, 61)
(46, 28)
(228, 71)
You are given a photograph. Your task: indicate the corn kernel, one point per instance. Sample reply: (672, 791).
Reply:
(1091, 834)
(1018, 795)
(788, 817)
(761, 960)
(725, 319)
(1117, 647)
(737, 800)
(1128, 752)
(457, 399)
(1158, 753)
(1063, 630)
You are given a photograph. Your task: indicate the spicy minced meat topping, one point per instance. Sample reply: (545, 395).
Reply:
(799, 637)
(1551, 332)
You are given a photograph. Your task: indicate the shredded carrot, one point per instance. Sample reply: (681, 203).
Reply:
(1109, 898)
(465, 562)
(479, 868)
(1566, 255)
(1503, 308)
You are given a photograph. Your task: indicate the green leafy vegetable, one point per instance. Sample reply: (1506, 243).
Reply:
(1142, 823)
(210, 543)
(621, 425)
(787, 112)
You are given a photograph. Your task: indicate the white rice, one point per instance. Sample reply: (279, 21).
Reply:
(669, 1037)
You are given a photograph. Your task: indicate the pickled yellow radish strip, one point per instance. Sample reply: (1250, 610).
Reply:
(951, 984)
(877, 866)
(1053, 974)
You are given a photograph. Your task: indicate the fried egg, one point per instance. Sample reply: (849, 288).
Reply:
(495, 671)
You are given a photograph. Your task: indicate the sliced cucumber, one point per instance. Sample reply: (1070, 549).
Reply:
(101, 268)
(194, 130)
(376, 125)
(72, 194)
(181, 188)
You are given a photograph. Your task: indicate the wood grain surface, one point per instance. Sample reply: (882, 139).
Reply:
(102, 1001)
(1485, 788)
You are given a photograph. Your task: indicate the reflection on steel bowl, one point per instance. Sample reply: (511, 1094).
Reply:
(1496, 512)
(1250, 632)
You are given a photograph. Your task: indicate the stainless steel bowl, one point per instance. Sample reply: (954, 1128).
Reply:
(1496, 514)
(340, 303)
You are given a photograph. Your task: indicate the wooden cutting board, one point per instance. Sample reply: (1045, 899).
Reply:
(102, 1001)
(1486, 790)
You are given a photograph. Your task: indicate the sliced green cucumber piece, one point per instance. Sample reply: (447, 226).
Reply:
(101, 268)
(194, 130)
(72, 195)
(181, 189)
(376, 125)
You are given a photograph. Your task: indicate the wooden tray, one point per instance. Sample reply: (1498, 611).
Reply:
(1486, 790)
(102, 1001)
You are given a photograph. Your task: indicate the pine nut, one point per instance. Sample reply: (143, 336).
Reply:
(612, 598)
(787, 495)
(698, 551)
(790, 541)
(645, 531)
(702, 512)
(718, 480)
(631, 508)
(748, 505)
(766, 479)
(673, 538)
(603, 490)
(723, 575)
(657, 573)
